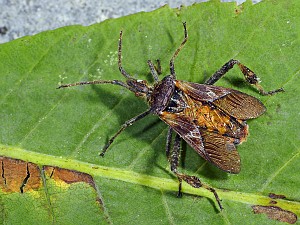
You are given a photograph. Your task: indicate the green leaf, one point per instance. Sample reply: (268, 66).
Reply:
(67, 128)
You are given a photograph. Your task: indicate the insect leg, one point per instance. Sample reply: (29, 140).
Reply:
(123, 72)
(174, 157)
(191, 180)
(250, 76)
(126, 124)
(153, 70)
(172, 70)
(169, 140)
(158, 68)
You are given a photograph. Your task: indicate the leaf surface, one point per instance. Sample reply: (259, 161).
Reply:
(67, 128)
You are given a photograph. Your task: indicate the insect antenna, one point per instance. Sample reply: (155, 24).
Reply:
(122, 70)
(115, 82)
(172, 69)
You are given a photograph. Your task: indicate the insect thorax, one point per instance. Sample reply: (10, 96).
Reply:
(177, 102)
(162, 94)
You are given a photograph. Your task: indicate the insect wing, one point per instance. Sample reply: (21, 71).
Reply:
(221, 151)
(240, 105)
(187, 130)
(236, 104)
(217, 149)
(201, 92)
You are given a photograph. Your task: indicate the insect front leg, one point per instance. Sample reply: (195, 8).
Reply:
(249, 75)
(191, 180)
(154, 71)
(158, 67)
(126, 124)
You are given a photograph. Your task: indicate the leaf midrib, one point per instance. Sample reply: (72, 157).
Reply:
(142, 179)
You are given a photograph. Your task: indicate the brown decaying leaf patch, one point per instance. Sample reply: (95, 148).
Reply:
(19, 176)
(276, 196)
(68, 176)
(276, 213)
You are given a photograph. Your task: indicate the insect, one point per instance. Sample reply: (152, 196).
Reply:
(211, 119)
